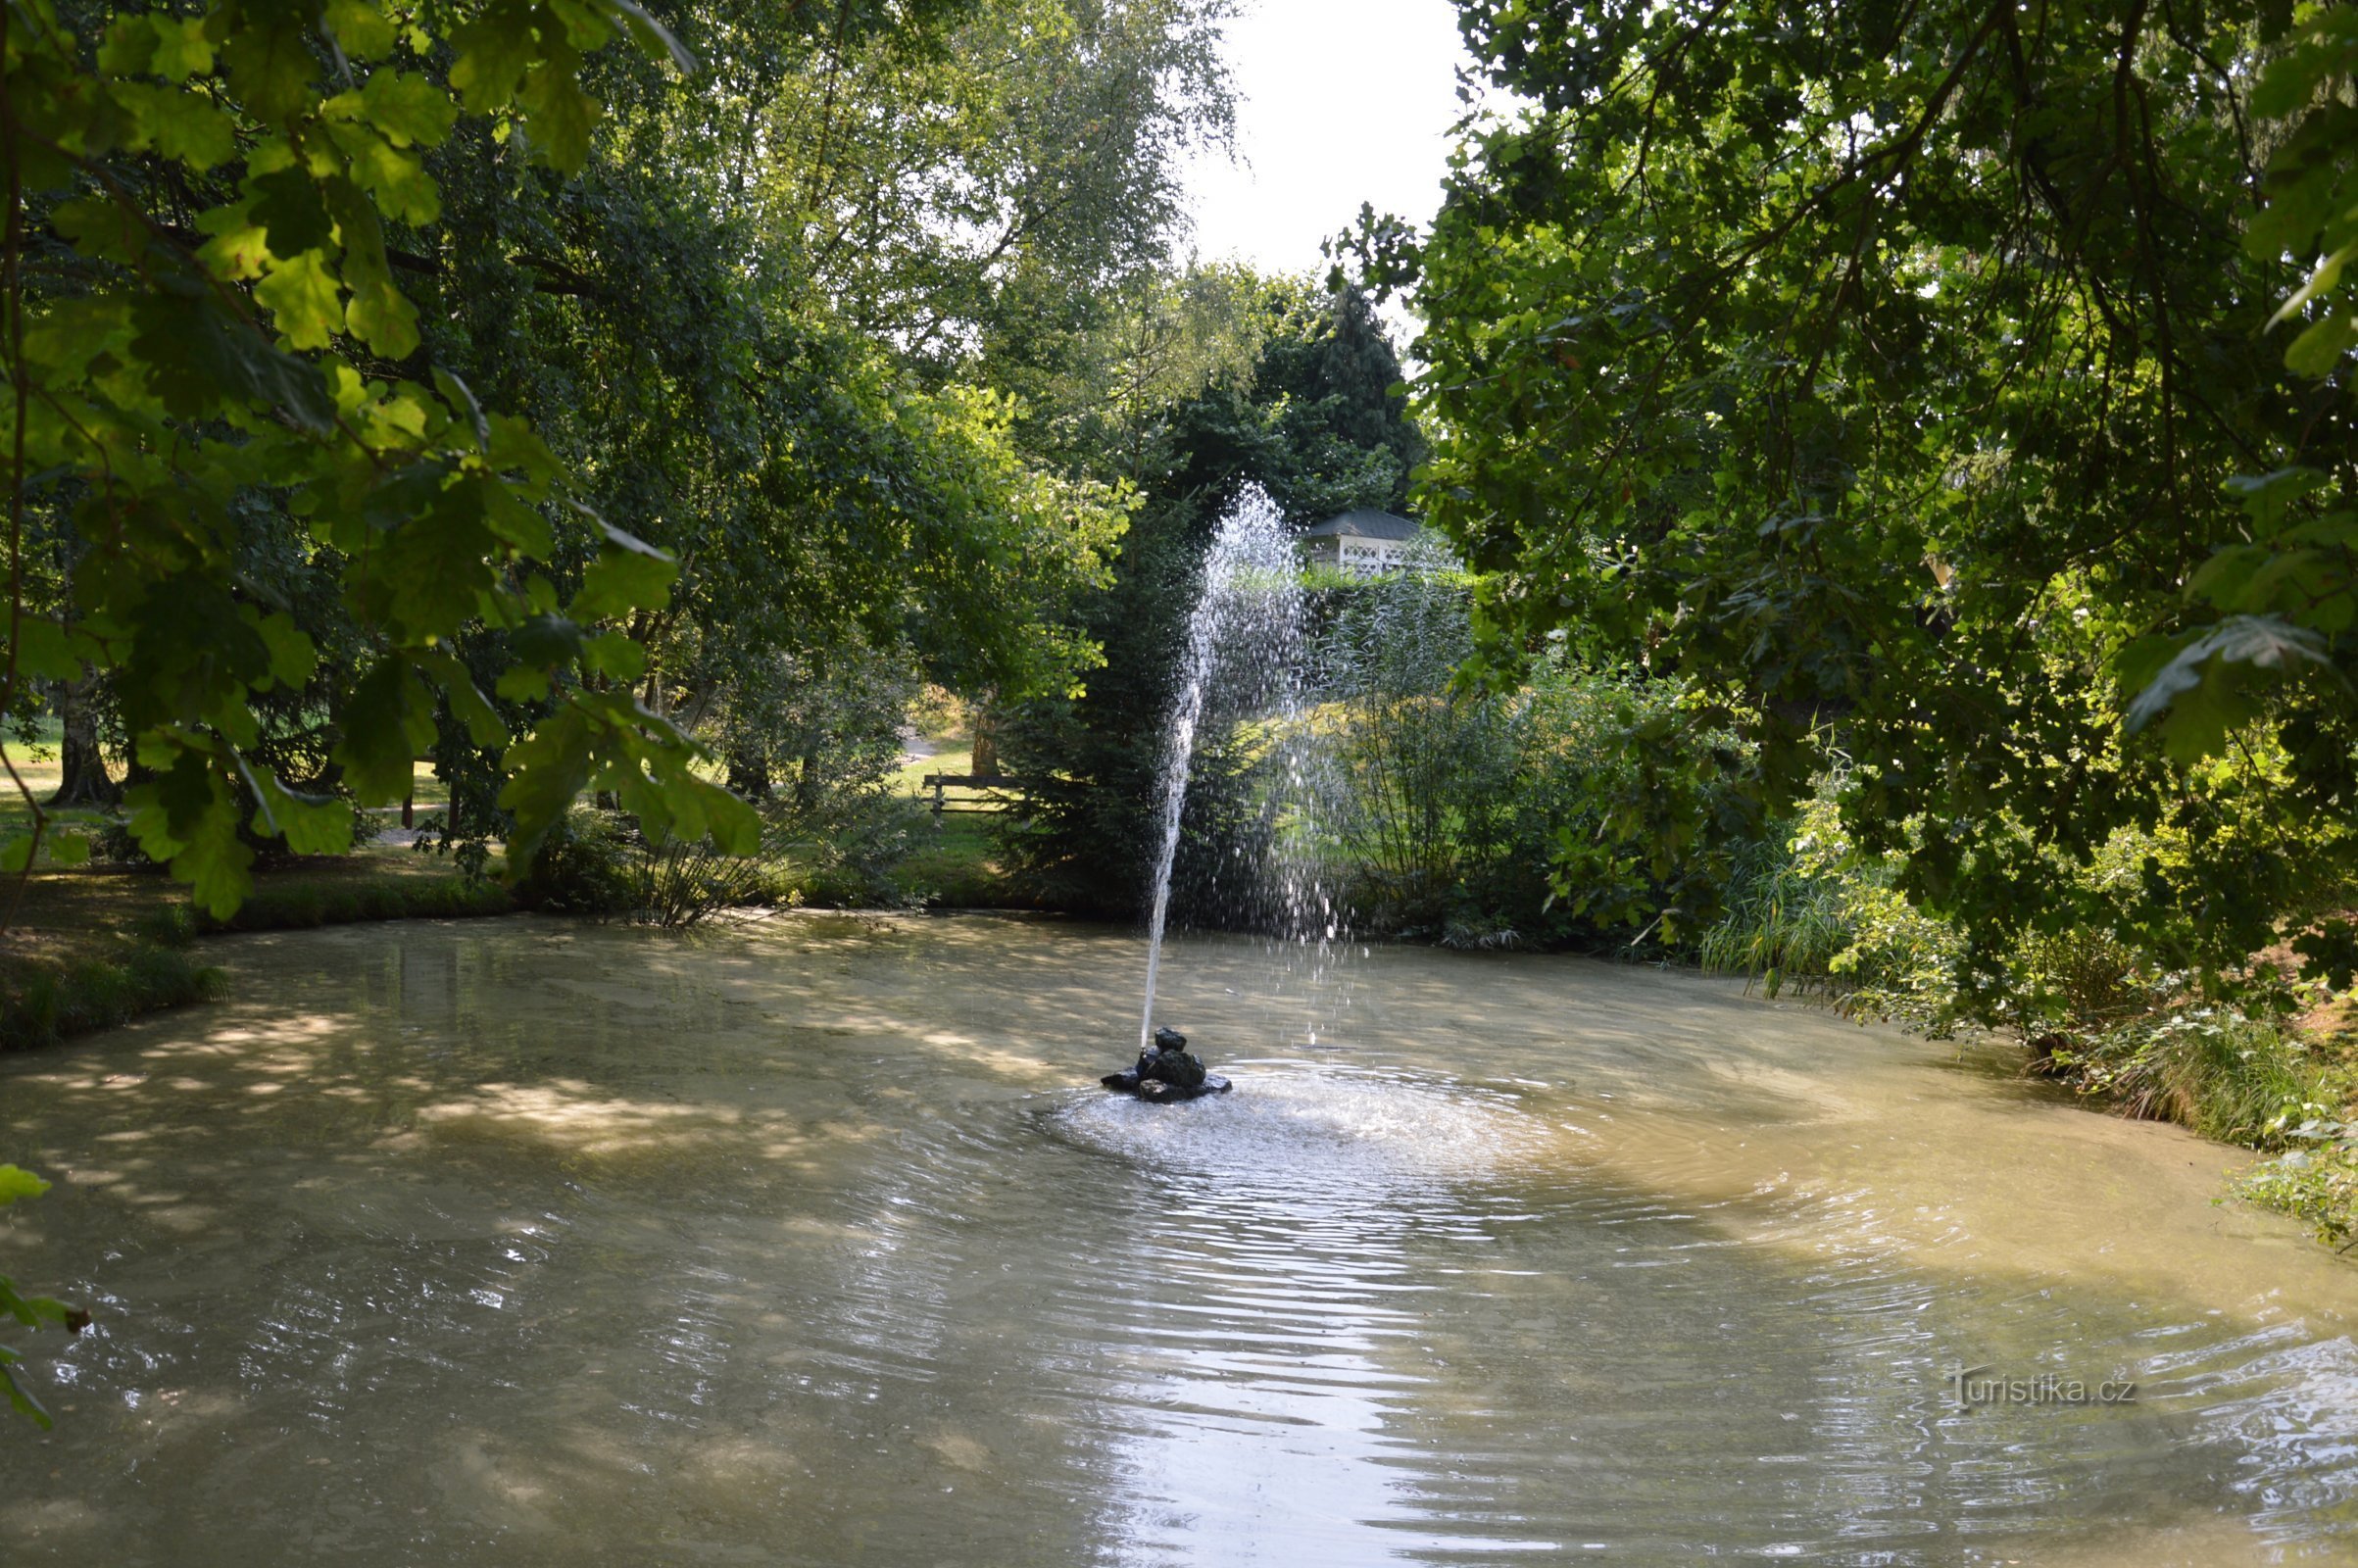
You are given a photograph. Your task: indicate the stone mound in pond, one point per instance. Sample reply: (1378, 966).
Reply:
(1155, 1091)
(1166, 1074)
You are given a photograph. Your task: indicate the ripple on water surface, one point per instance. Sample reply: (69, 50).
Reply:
(845, 1274)
(1298, 1127)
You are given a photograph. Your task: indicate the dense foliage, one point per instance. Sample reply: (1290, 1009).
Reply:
(1900, 373)
(216, 380)
(444, 383)
(1232, 381)
(1585, 804)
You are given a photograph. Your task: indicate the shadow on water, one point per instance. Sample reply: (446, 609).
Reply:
(530, 1242)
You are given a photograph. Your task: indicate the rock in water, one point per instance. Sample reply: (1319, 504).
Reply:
(1166, 1072)
(1156, 1091)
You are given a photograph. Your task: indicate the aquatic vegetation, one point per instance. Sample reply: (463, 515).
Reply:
(32, 1311)
(2315, 1180)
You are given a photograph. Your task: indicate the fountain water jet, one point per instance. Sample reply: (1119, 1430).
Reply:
(1244, 659)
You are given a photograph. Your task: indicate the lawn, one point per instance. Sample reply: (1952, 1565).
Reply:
(37, 765)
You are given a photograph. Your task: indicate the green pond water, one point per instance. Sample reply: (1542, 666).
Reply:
(812, 1242)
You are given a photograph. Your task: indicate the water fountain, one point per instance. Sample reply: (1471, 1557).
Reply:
(1243, 663)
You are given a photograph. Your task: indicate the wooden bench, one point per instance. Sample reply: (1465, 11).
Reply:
(994, 786)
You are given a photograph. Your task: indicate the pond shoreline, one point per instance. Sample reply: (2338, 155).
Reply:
(148, 966)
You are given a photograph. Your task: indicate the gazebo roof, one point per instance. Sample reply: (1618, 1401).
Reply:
(1365, 522)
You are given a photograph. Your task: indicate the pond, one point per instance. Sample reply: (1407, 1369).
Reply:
(812, 1242)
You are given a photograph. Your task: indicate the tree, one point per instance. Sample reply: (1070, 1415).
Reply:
(1238, 381)
(1883, 368)
(960, 191)
(214, 340)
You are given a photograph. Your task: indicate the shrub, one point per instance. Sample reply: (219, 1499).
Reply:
(598, 863)
(682, 883)
(1599, 802)
(583, 866)
(2315, 1181)
(2227, 1076)
(1784, 921)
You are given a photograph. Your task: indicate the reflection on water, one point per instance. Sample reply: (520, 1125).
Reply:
(525, 1243)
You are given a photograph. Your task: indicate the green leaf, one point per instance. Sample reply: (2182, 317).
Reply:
(293, 655)
(547, 769)
(2266, 497)
(69, 849)
(48, 650)
(181, 49)
(522, 683)
(561, 114)
(628, 574)
(19, 1397)
(405, 493)
(238, 250)
(587, 26)
(387, 721)
(188, 817)
(305, 298)
(2330, 947)
(17, 1183)
(408, 108)
(101, 229)
(654, 38)
(268, 61)
(292, 211)
(68, 335)
(397, 180)
(361, 29)
(520, 525)
(200, 357)
(467, 702)
(377, 314)
(128, 46)
(2319, 350)
(735, 827)
(381, 315)
(493, 53)
(544, 641)
(30, 1311)
(2321, 281)
(16, 852)
(2200, 694)
(516, 447)
(177, 124)
(461, 400)
(310, 824)
(435, 568)
(614, 655)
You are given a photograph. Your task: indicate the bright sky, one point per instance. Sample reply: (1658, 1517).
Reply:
(1345, 101)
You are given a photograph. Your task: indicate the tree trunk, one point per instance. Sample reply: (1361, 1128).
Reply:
(748, 776)
(985, 744)
(83, 778)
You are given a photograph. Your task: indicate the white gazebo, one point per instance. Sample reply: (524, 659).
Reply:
(1368, 543)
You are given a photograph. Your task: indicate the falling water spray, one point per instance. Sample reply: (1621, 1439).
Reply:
(1245, 661)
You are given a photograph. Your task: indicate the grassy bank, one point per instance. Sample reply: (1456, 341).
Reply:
(94, 946)
(954, 862)
(2271, 1068)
